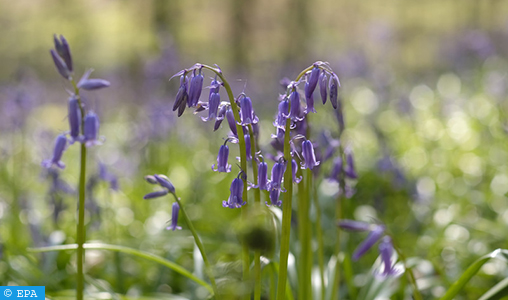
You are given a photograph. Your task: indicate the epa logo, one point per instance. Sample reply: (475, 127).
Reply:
(26, 294)
(7, 293)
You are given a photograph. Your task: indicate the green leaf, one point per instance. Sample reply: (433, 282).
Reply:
(128, 250)
(496, 292)
(458, 285)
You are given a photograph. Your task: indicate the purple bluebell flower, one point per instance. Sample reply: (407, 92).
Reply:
(60, 65)
(274, 197)
(93, 84)
(336, 169)
(282, 115)
(247, 112)
(248, 147)
(196, 85)
(220, 117)
(323, 84)
(231, 120)
(174, 218)
(352, 225)
(181, 108)
(151, 179)
(164, 181)
(222, 160)
(63, 49)
(308, 155)
(311, 82)
(295, 111)
(278, 174)
(294, 167)
(74, 115)
(181, 95)
(91, 129)
(235, 199)
(386, 252)
(334, 89)
(60, 145)
(155, 194)
(310, 102)
(213, 107)
(263, 183)
(371, 239)
(349, 169)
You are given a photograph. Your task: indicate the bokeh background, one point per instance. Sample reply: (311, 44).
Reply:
(424, 86)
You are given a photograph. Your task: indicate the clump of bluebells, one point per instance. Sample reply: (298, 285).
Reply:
(167, 188)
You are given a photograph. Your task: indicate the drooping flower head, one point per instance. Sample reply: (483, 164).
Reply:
(371, 239)
(308, 155)
(247, 112)
(263, 182)
(349, 169)
(91, 84)
(60, 145)
(323, 84)
(155, 194)
(295, 110)
(312, 82)
(174, 218)
(274, 197)
(222, 159)
(63, 50)
(248, 147)
(74, 116)
(91, 130)
(220, 117)
(386, 252)
(235, 199)
(231, 120)
(195, 88)
(182, 95)
(310, 101)
(282, 114)
(278, 174)
(164, 182)
(334, 89)
(213, 107)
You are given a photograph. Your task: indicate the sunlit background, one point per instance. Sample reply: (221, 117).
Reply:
(424, 85)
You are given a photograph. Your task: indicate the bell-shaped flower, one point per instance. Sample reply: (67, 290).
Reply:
(164, 182)
(63, 49)
(60, 145)
(220, 117)
(371, 239)
(91, 130)
(213, 107)
(295, 111)
(196, 85)
(323, 84)
(263, 182)
(74, 116)
(334, 84)
(247, 112)
(60, 65)
(310, 102)
(155, 194)
(312, 82)
(349, 169)
(222, 160)
(248, 147)
(351, 225)
(181, 95)
(274, 197)
(231, 120)
(174, 218)
(386, 252)
(294, 167)
(336, 169)
(308, 155)
(277, 174)
(282, 114)
(235, 199)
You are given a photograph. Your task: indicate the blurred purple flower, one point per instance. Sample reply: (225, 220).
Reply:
(323, 83)
(155, 194)
(196, 85)
(213, 107)
(310, 102)
(91, 130)
(336, 169)
(295, 110)
(247, 112)
(63, 49)
(74, 116)
(164, 182)
(282, 114)
(334, 86)
(60, 65)
(386, 252)
(308, 155)
(181, 95)
(231, 120)
(312, 82)
(60, 145)
(352, 225)
(278, 174)
(235, 199)
(222, 160)
(349, 169)
(174, 218)
(371, 239)
(274, 197)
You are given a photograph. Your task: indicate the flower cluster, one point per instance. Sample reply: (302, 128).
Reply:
(167, 187)
(84, 130)
(376, 233)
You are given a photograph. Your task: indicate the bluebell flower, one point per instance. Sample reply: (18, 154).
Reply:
(181, 95)
(274, 197)
(352, 225)
(235, 199)
(93, 84)
(371, 239)
(295, 111)
(263, 183)
(196, 85)
(334, 89)
(231, 120)
(174, 218)
(308, 155)
(282, 115)
(247, 112)
(164, 182)
(310, 101)
(336, 169)
(294, 167)
(74, 116)
(60, 145)
(155, 194)
(91, 129)
(213, 107)
(323, 84)
(222, 160)
(386, 252)
(63, 49)
(248, 147)
(312, 82)
(60, 65)
(278, 174)
(349, 169)
(220, 117)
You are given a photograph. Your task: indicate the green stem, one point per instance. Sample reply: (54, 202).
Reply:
(409, 272)
(257, 199)
(80, 231)
(243, 161)
(208, 268)
(319, 236)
